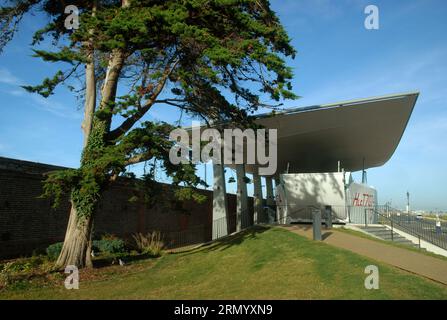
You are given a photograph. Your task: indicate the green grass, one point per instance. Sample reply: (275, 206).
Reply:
(259, 264)
(391, 243)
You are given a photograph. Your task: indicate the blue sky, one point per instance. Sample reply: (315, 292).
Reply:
(338, 59)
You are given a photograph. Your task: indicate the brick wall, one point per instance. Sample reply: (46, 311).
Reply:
(28, 223)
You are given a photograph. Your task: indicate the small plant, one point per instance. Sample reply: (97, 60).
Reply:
(108, 236)
(109, 244)
(151, 243)
(54, 250)
(19, 269)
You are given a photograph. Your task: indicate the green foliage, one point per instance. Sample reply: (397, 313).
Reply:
(16, 273)
(10, 17)
(220, 45)
(186, 193)
(21, 265)
(220, 59)
(150, 243)
(58, 183)
(54, 250)
(47, 87)
(109, 245)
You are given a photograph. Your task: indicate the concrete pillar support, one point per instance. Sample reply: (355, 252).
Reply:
(257, 199)
(220, 206)
(269, 187)
(242, 199)
(316, 224)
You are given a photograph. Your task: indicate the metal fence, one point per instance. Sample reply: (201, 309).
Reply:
(302, 215)
(227, 225)
(183, 238)
(430, 230)
(422, 228)
(199, 234)
(340, 213)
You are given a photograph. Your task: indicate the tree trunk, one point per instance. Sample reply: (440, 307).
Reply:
(78, 237)
(90, 85)
(77, 243)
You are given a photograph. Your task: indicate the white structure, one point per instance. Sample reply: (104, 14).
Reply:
(318, 140)
(298, 194)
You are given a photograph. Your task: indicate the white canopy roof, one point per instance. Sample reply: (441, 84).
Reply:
(360, 133)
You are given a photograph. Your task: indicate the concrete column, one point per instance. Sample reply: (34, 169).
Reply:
(316, 224)
(277, 181)
(328, 216)
(242, 199)
(220, 207)
(269, 187)
(257, 199)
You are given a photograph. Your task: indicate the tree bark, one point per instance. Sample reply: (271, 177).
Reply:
(78, 237)
(90, 94)
(77, 243)
(76, 249)
(90, 84)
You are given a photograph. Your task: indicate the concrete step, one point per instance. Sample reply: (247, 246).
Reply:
(374, 229)
(385, 234)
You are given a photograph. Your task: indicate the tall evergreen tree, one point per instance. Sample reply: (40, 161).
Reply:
(213, 59)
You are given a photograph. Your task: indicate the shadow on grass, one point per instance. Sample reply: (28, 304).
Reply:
(107, 261)
(308, 227)
(228, 241)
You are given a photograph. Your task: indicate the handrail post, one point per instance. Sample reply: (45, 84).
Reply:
(419, 239)
(392, 230)
(366, 223)
(328, 213)
(316, 224)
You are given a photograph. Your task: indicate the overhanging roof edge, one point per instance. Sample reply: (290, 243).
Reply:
(337, 104)
(416, 94)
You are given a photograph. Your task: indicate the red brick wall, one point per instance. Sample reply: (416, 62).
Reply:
(29, 223)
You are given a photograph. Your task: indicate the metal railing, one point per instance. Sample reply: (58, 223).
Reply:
(227, 225)
(302, 215)
(182, 238)
(423, 229)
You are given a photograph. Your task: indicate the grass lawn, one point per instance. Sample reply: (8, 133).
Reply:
(261, 263)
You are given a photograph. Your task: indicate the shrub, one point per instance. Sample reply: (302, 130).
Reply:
(107, 236)
(54, 250)
(107, 245)
(19, 269)
(151, 243)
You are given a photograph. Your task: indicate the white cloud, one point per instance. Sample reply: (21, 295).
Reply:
(16, 92)
(56, 108)
(7, 77)
(46, 104)
(424, 71)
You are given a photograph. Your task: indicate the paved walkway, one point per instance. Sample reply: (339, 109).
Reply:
(426, 266)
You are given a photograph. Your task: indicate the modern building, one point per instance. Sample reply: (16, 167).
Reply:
(317, 148)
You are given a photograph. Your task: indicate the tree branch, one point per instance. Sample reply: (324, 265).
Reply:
(90, 84)
(129, 122)
(138, 158)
